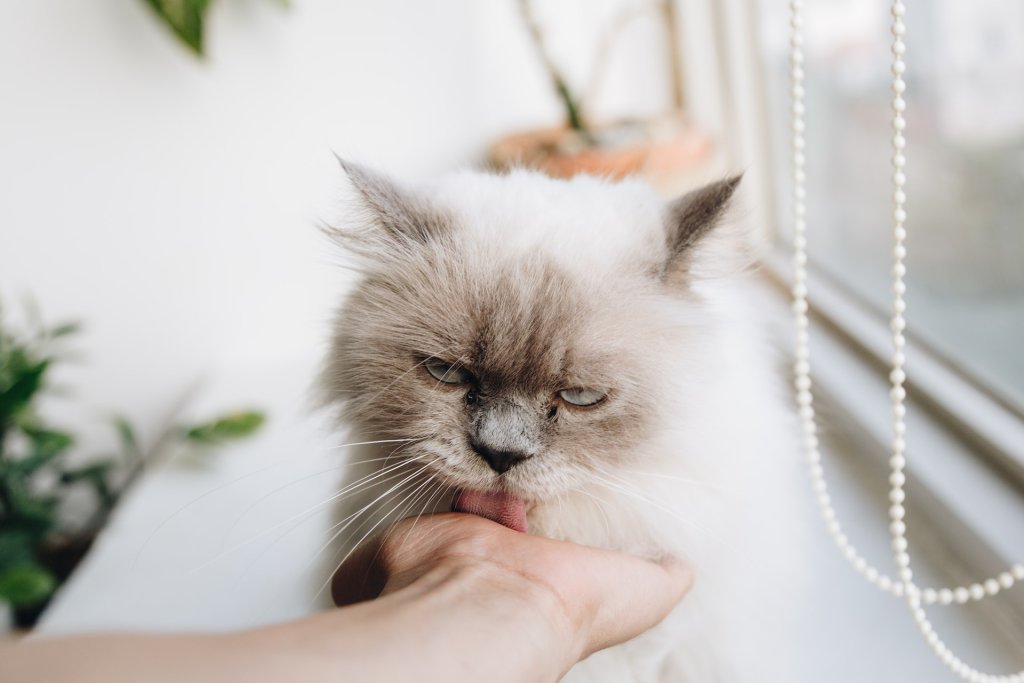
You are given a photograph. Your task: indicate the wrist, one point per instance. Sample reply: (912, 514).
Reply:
(519, 627)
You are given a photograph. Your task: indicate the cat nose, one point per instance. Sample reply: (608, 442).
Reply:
(500, 461)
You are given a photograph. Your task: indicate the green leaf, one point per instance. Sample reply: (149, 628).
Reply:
(93, 473)
(65, 329)
(129, 441)
(26, 585)
(34, 515)
(46, 446)
(231, 426)
(25, 379)
(185, 18)
(17, 547)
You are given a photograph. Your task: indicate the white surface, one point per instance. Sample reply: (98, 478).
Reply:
(170, 203)
(211, 548)
(218, 541)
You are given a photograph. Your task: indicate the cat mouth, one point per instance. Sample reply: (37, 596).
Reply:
(498, 506)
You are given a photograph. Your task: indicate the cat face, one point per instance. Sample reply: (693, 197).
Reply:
(515, 359)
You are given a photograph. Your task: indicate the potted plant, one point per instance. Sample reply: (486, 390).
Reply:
(661, 150)
(40, 543)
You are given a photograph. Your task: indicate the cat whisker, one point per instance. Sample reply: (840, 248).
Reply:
(673, 477)
(400, 377)
(600, 507)
(167, 520)
(345, 523)
(441, 488)
(644, 499)
(353, 546)
(370, 443)
(318, 473)
(429, 496)
(348, 490)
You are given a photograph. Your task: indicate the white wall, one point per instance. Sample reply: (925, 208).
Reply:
(169, 202)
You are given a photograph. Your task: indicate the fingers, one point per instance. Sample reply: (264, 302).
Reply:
(618, 596)
(408, 550)
(605, 597)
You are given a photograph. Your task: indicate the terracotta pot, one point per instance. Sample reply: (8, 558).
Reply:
(661, 151)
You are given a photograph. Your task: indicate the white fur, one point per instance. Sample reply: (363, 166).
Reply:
(716, 483)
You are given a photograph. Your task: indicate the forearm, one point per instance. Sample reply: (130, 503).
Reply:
(478, 622)
(455, 623)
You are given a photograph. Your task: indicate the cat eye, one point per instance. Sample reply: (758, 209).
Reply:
(582, 397)
(446, 372)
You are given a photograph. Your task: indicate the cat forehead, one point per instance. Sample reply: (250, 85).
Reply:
(583, 223)
(520, 322)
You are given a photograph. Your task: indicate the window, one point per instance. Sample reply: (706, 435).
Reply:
(965, 112)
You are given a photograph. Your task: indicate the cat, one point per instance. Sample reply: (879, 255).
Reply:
(576, 358)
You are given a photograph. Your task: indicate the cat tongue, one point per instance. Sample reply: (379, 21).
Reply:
(503, 508)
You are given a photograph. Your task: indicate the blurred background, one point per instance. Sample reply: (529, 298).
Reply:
(164, 165)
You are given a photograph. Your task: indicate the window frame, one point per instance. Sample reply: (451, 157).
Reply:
(968, 472)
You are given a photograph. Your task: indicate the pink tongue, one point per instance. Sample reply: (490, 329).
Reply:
(503, 508)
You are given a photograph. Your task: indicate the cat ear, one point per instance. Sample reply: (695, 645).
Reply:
(690, 218)
(396, 217)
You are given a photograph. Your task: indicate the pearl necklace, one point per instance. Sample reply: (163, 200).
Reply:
(903, 586)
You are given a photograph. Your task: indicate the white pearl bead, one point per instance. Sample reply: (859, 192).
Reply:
(945, 596)
(1006, 580)
(1018, 571)
(991, 586)
(977, 592)
(961, 595)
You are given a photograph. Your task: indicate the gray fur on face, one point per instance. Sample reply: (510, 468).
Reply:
(522, 324)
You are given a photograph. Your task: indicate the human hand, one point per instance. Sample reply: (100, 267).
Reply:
(559, 602)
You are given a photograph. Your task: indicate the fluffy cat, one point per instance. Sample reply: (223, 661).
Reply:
(577, 358)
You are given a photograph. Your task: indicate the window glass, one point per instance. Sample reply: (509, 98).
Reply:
(965, 173)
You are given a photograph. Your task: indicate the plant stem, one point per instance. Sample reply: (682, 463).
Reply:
(574, 117)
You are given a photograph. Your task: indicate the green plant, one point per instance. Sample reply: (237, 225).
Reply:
(187, 19)
(572, 104)
(38, 548)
